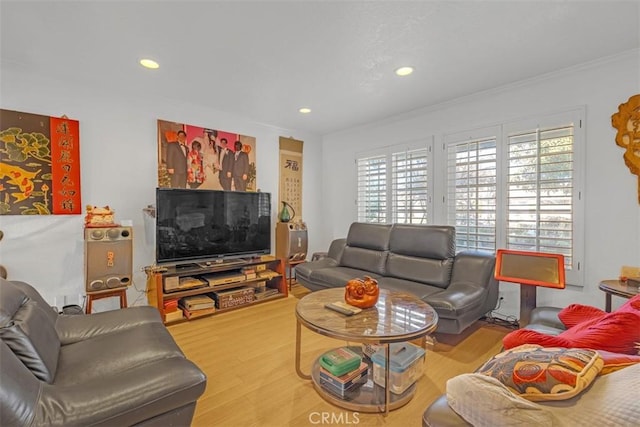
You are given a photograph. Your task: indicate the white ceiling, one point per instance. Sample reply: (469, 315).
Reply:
(263, 60)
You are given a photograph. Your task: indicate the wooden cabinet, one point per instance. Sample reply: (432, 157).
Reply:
(167, 284)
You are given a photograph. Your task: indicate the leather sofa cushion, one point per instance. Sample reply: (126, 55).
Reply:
(435, 272)
(369, 260)
(78, 328)
(339, 276)
(32, 337)
(366, 248)
(419, 290)
(429, 241)
(96, 359)
(369, 236)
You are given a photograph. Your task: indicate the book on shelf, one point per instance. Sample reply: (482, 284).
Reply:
(340, 361)
(265, 293)
(192, 314)
(346, 383)
(173, 316)
(196, 302)
(345, 380)
(190, 282)
(267, 274)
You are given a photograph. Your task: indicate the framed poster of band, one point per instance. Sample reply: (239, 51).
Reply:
(196, 157)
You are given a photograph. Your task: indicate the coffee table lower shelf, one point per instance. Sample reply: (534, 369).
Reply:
(367, 398)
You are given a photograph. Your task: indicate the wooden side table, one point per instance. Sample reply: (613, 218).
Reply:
(618, 288)
(290, 266)
(122, 293)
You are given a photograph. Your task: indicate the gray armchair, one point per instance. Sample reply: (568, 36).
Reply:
(119, 367)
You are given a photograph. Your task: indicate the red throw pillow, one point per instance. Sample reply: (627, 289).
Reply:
(573, 314)
(632, 306)
(616, 332)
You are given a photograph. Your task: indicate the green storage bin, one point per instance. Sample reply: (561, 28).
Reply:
(339, 361)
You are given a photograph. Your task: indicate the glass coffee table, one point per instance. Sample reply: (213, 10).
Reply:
(396, 317)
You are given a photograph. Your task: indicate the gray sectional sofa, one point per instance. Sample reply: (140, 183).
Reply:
(116, 368)
(417, 259)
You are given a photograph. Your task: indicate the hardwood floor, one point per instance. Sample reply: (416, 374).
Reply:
(248, 356)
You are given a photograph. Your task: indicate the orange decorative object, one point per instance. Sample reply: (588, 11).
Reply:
(362, 293)
(627, 122)
(99, 217)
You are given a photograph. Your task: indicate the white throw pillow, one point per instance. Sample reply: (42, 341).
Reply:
(484, 401)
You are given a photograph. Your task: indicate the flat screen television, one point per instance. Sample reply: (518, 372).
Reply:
(204, 225)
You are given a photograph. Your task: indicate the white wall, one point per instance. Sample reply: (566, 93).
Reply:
(612, 211)
(118, 149)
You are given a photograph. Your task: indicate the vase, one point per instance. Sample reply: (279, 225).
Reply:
(284, 215)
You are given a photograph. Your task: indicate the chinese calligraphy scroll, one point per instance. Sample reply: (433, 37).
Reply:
(39, 164)
(291, 174)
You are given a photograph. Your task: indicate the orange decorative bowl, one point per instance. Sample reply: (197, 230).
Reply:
(362, 293)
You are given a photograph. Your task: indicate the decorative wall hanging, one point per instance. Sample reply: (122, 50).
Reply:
(39, 164)
(291, 175)
(203, 158)
(627, 122)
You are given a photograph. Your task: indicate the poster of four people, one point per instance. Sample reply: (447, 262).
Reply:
(205, 158)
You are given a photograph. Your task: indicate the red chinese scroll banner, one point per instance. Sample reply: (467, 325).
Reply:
(65, 166)
(39, 164)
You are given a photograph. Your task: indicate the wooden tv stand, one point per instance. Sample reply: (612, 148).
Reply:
(158, 295)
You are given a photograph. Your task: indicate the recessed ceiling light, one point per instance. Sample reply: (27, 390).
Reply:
(305, 110)
(404, 71)
(149, 63)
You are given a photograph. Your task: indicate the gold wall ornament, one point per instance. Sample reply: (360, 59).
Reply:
(627, 122)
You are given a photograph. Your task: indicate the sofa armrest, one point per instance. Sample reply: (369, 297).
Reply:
(78, 328)
(546, 320)
(475, 267)
(336, 248)
(124, 398)
(440, 414)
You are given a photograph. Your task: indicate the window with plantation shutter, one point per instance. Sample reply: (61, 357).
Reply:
(540, 191)
(517, 186)
(372, 189)
(393, 185)
(471, 192)
(409, 186)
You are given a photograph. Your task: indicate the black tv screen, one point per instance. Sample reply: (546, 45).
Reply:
(200, 225)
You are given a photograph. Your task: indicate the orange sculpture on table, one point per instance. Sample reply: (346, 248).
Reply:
(362, 293)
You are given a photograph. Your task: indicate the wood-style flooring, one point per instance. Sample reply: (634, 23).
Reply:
(248, 356)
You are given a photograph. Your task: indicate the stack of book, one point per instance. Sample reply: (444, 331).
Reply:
(249, 272)
(342, 371)
(197, 305)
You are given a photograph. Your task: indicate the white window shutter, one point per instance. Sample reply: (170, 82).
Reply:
(372, 189)
(409, 185)
(540, 191)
